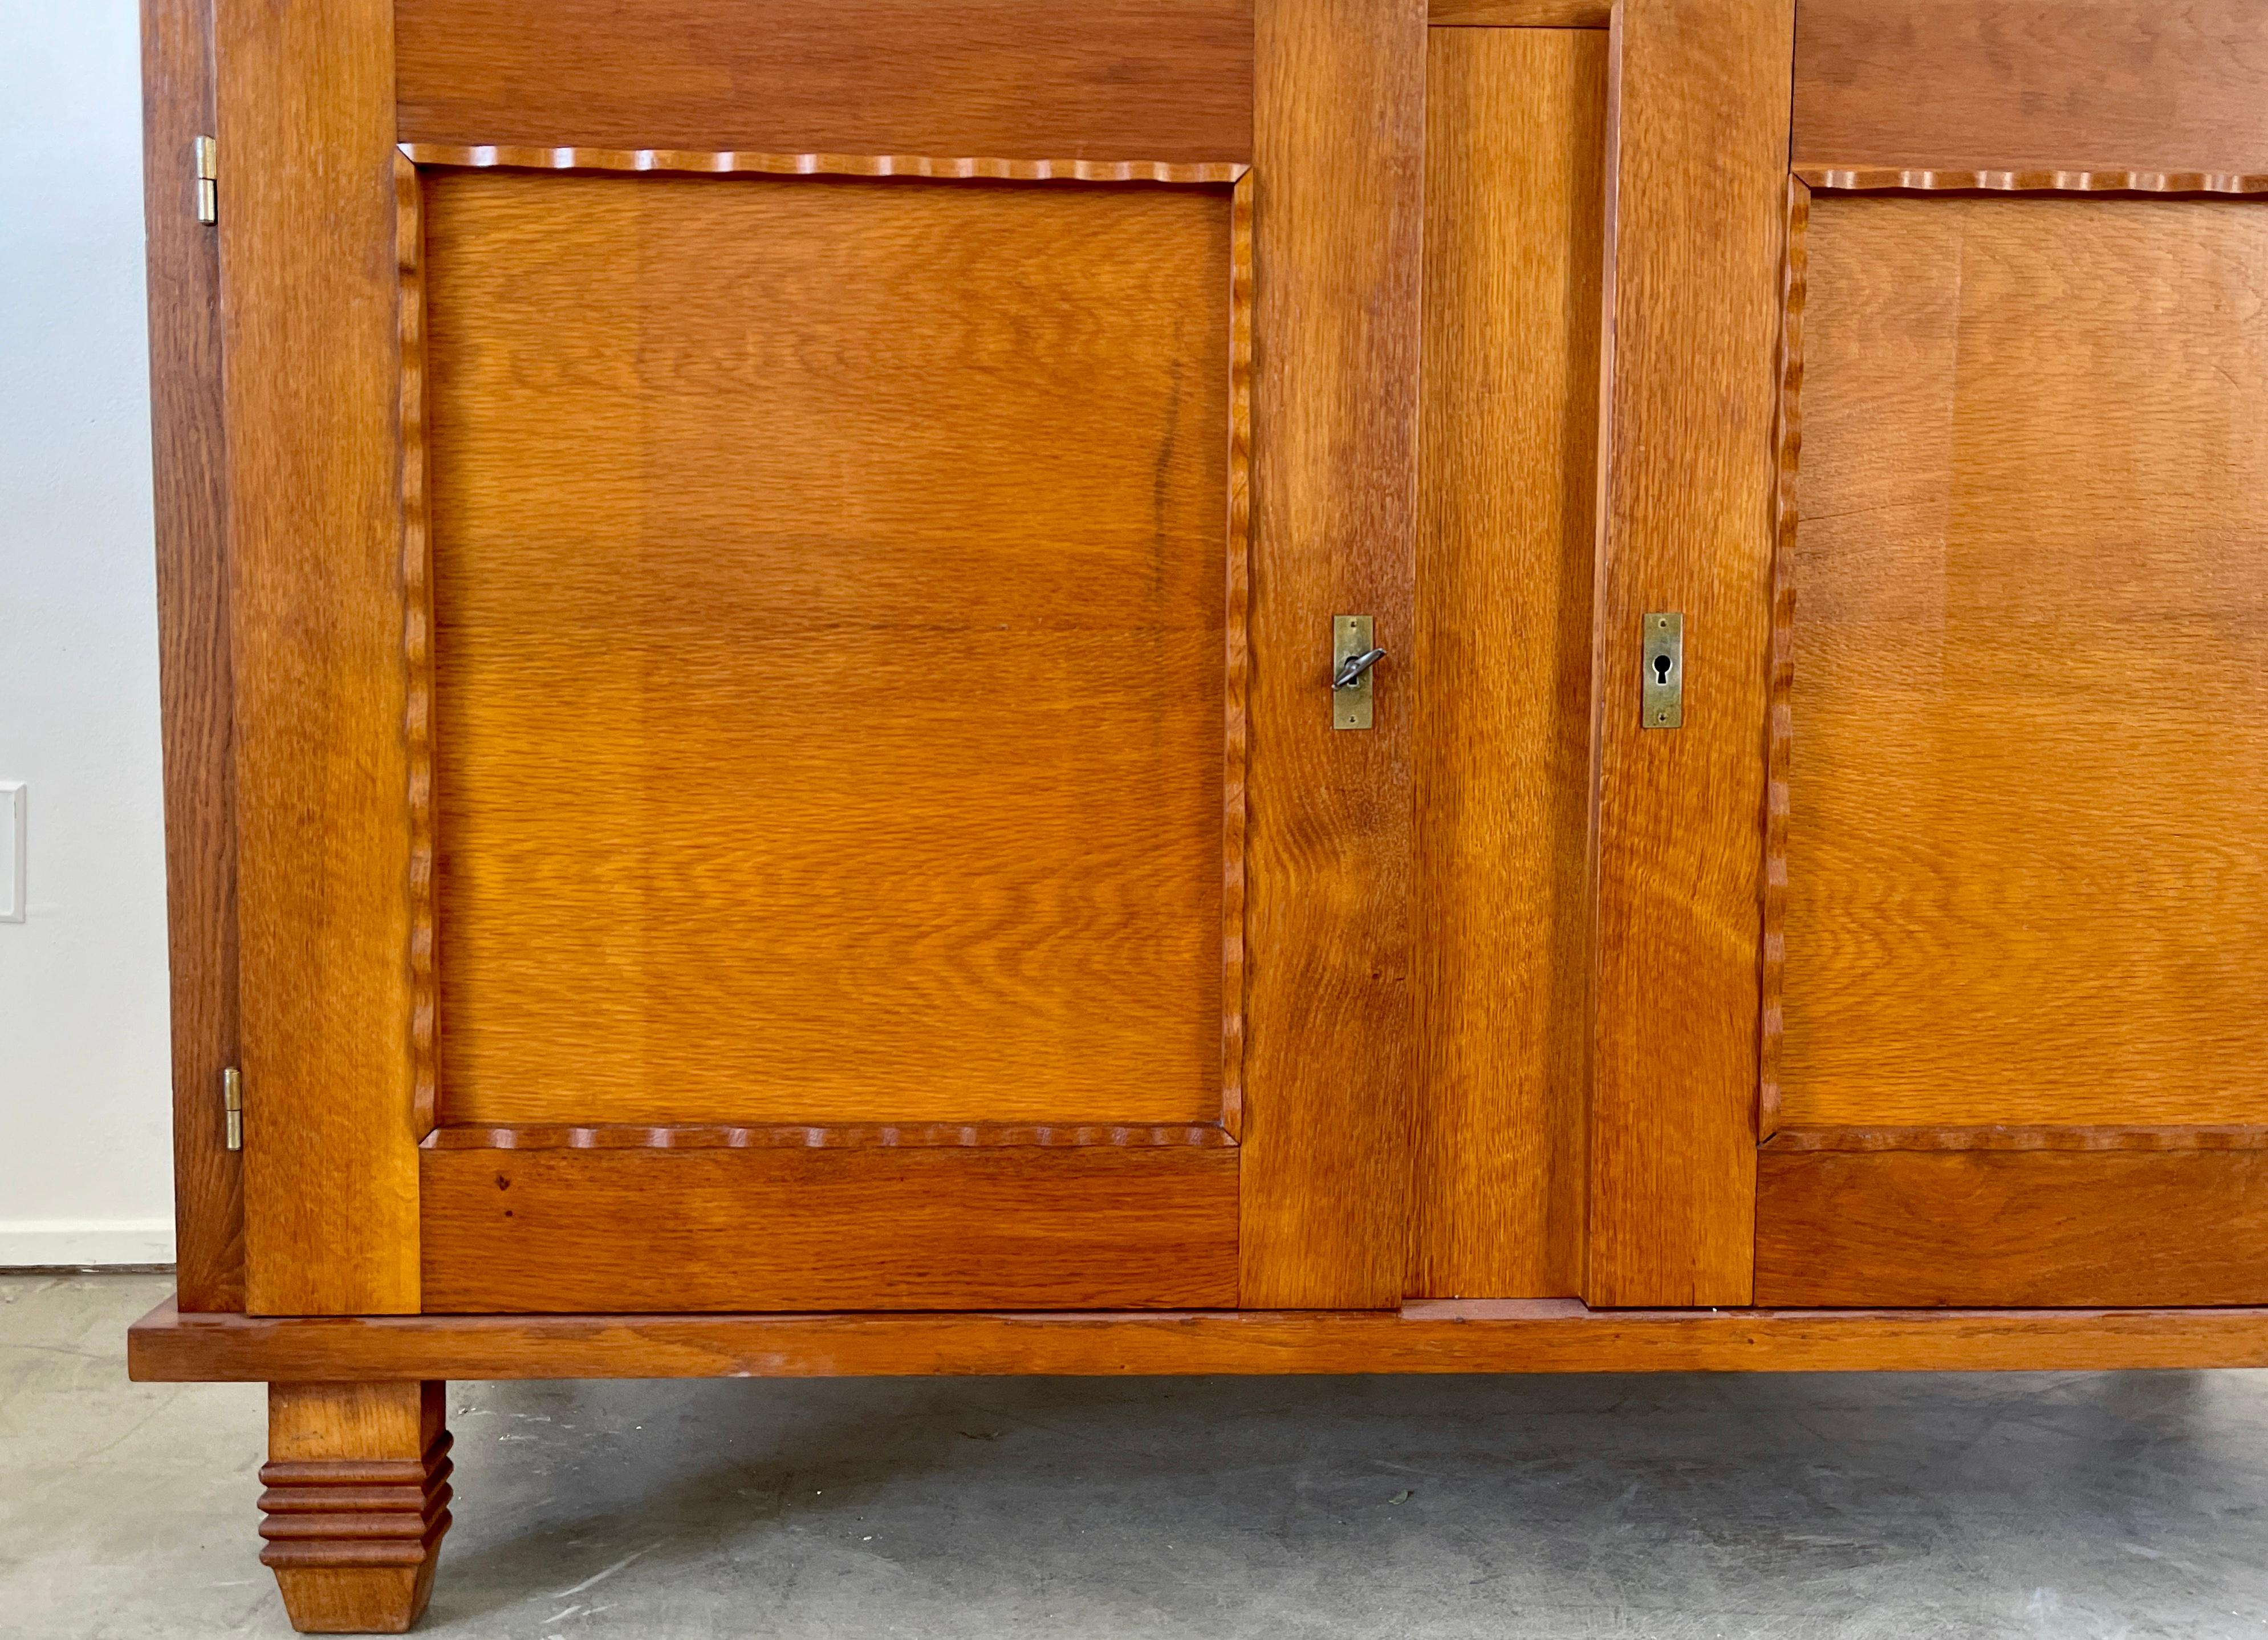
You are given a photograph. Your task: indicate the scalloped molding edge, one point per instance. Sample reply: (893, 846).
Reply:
(1779, 714)
(736, 162)
(822, 1135)
(2014, 1137)
(416, 642)
(1890, 179)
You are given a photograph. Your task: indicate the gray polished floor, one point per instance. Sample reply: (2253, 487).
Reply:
(2122, 1505)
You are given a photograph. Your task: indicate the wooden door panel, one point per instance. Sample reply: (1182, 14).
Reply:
(2030, 641)
(1515, 194)
(831, 584)
(853, 1226)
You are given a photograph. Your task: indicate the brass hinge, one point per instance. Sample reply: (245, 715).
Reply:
(231, 1100)
(207, 192)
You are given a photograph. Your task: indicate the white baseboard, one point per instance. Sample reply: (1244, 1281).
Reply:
(37, 1243)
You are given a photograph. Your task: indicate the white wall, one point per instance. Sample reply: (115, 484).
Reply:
(84, 1156)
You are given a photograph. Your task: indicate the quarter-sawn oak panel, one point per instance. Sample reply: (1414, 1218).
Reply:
(2030, 679)
(830, 579)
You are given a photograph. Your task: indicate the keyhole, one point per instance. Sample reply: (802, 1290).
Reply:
(1662, 670)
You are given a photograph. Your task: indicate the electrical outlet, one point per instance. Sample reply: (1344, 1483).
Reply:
(12, 851)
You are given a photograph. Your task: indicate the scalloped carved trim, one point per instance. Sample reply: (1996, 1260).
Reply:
(1237, 620)
(2039, 180)
(846, 1135)
(2014, 1138)
(417, 636)
(1779, 715)
(734, 162)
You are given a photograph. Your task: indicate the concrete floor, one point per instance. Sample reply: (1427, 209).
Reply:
(2116, 1505)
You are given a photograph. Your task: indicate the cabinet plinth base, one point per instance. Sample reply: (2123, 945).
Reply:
(1502, 1335)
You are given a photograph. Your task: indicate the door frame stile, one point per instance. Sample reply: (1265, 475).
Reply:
(1699, 97)
(1339, 162)
(306, 112)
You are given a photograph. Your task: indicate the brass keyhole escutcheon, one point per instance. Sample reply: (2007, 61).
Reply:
(1661, 704)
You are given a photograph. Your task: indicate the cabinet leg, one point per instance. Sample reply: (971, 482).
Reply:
(357, 1500)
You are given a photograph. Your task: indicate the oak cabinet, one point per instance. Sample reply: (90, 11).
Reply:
(779, 760)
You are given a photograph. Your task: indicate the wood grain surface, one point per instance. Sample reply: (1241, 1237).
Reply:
(306, 113)
(1514, 201)
(830, 1229)
(2031, 665)
(1012, 79)
(190, 460)
(1338, 215)
(356, 1502)
(2017, 1228)
(1521, 13)
(1698, 178)
(1996, 83)
(1511, 1336)
(832, 597)
(2010, 1138)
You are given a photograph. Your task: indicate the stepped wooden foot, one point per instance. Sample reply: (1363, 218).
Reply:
(357, 1500)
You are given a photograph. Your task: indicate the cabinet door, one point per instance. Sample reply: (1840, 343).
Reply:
(785, 568)
(2014, 1036)
(1946, 450)
(1696, 239)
